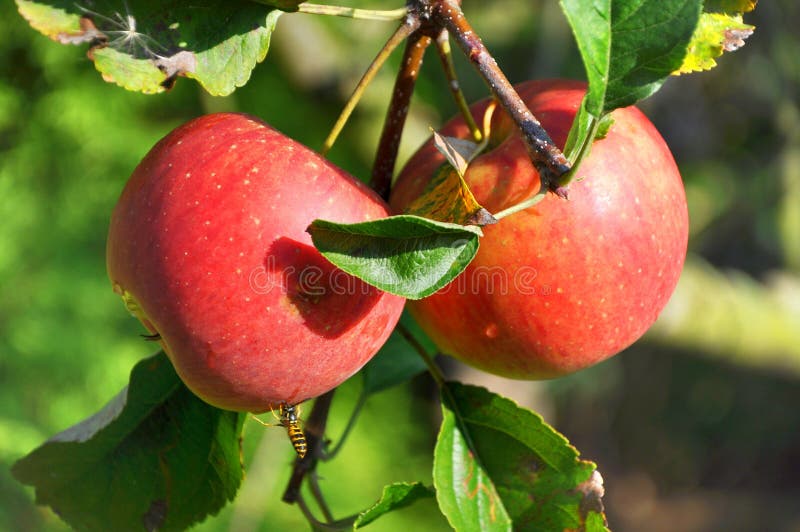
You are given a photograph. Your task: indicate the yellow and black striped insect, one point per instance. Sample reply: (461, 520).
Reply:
(288, 418)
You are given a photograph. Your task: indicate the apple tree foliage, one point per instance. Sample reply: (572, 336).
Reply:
(156, 457)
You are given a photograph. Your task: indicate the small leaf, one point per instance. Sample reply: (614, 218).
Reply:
(397, 361)
(404, 255)
(156, 457)
(458, 152)
(144, 46)
(717, 33)
(447, 198)
(488, 445)
(395, 496)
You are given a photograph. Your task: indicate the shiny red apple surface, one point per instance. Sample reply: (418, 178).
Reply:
(566, 283)
(208, 247)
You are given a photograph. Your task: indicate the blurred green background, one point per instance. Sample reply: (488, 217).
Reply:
(696, 427)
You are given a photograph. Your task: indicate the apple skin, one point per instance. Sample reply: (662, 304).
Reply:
(566, 283)
(208, 247)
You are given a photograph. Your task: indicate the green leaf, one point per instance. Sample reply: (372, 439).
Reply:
(629, 48)
(144, 46)
(397, 361)
(496, 463)
(404, 255)
(395, 496)
(155, 457)
(717, 33)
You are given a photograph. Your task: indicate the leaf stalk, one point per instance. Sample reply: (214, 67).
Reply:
(352, 12)
(545, 155)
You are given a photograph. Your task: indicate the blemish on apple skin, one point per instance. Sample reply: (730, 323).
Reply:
(491, 330)
(211, 358)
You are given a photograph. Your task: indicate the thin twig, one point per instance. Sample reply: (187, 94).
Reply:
(352, 12)
(313, 484)
(351, 423)
(315, 523)
(545, 155)
(441, 383)
(389, 144)
(406, 28)
(434, 370)
(443, 47)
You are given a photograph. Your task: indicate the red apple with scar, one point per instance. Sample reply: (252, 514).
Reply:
(566, 283)
(208, 248)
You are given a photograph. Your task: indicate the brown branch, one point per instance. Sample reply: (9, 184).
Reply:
(389, 144)
(545, 155)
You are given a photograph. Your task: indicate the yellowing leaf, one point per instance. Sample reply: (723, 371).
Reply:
(716, 33)
(447, 198)
(458, 152)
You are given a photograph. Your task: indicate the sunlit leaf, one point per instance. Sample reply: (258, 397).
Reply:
(716, 34)
(155, 458)
(496, 463)
(394, 497)
(144, 46)
(447, 198)
(629, 48)
(404, 255)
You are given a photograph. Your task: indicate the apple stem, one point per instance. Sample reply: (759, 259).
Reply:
(408, 26)
(389, 144)
(443, 47)
(441, 383)
(352, 12)
(530, 202)
(545, 155)
(434, 370)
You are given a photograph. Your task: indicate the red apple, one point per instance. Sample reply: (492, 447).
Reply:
(566, 283)
(208, 247)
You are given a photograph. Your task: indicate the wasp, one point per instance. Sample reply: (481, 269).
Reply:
(288, 418)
